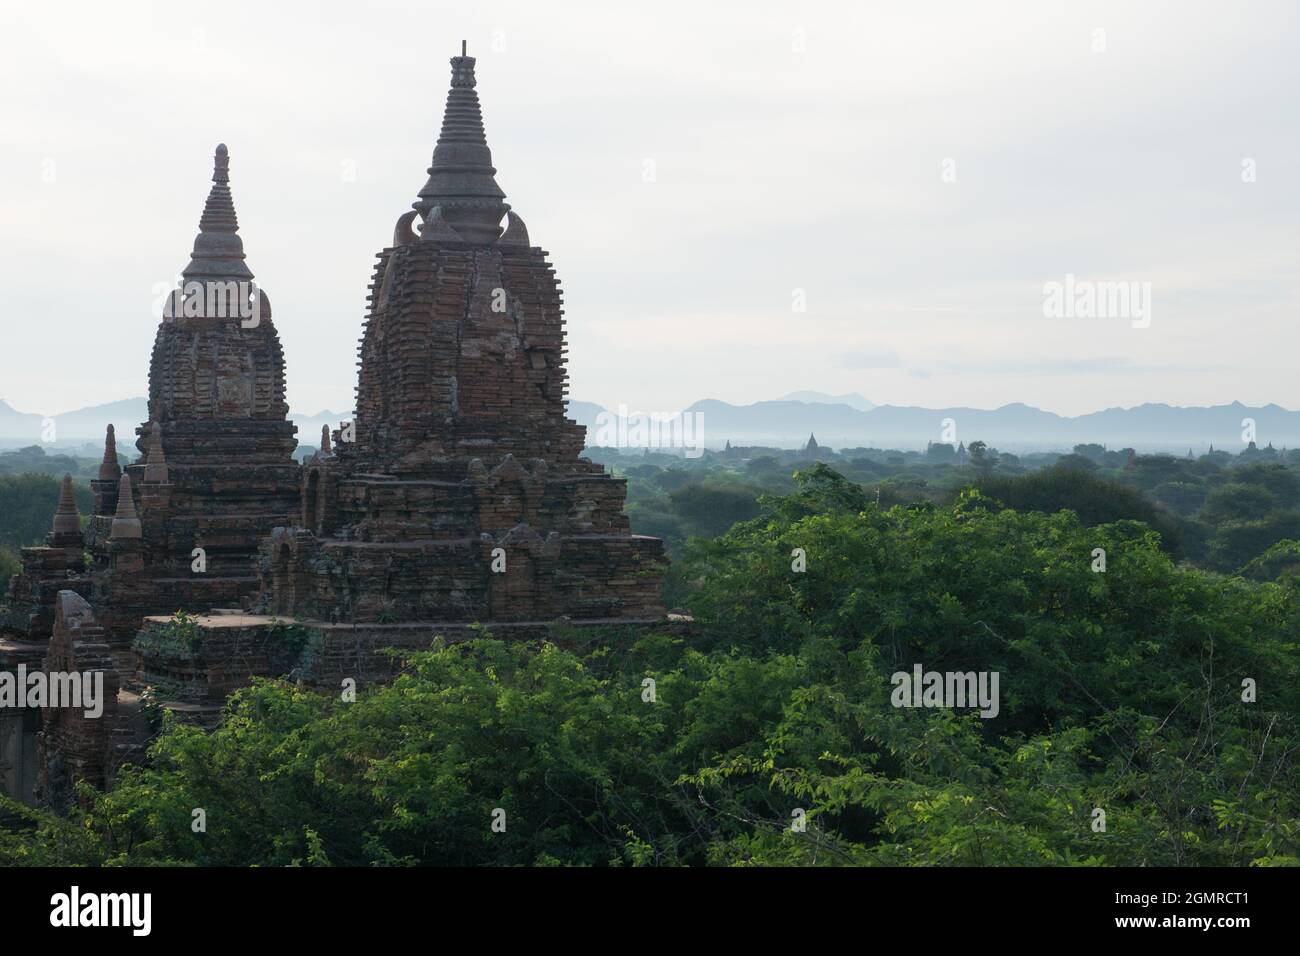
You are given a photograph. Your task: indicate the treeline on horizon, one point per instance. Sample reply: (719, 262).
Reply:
(1147, 711)
(1223, 512)
(1219, 511)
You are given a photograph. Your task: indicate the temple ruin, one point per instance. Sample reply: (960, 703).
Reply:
(461, 447)
(457, 497)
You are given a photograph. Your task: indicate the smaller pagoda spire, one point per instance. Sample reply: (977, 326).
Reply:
(155, 464)
(325, 449)
(109, 469)
(218, 250)
(126, 523)
(67, 521)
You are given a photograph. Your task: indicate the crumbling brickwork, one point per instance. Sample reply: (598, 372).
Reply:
(75, 745)
(216, 473)
(458, 494)
(456, 497)
(181, 527)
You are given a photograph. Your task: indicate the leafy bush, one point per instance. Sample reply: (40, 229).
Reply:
(1096, 500)
(1120, 691)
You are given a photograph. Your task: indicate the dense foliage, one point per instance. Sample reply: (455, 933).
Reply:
(35, 460)
(1121, 691)
(1218, 511)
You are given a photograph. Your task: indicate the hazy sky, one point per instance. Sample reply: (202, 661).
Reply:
(798, 150)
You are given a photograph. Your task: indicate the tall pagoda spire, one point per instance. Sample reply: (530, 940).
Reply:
(462, 180)
(218, 250)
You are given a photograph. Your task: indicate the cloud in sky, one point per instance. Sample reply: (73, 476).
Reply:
(919, 171)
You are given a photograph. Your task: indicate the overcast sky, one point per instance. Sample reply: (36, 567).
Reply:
(797, 152)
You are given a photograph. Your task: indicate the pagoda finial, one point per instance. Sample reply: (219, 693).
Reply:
(67, 522)
(218, 250)
(109, 469)
(221, 165)
(462, 180)
(155, 464)
(126, 523)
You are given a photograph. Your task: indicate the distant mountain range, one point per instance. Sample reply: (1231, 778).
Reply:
(1017, 427)
(838, 421)
(851, 399)
(71, 428)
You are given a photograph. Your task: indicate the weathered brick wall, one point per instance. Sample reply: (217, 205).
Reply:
(206, 369)
(462, 354)
(462, 451)
(28, 609)
(72, 745)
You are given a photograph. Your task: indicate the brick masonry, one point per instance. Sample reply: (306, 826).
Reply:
(456, 498)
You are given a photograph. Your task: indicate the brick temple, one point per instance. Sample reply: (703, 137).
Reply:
(457, 497)
(461, 447)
